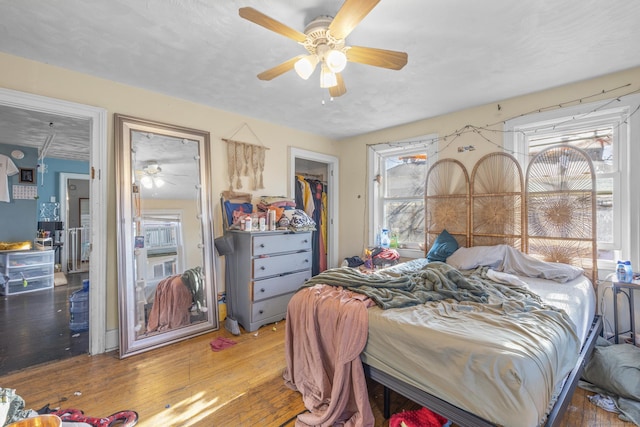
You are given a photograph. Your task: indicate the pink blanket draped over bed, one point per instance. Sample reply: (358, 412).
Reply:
(326, 331)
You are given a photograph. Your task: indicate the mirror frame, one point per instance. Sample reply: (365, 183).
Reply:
(124, 126)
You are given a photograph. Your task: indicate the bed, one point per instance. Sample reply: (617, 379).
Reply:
(512, 361)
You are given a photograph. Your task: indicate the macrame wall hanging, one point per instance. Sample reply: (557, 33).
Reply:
(245, 159)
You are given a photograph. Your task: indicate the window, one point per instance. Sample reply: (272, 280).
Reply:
(603, 131)
(398, 172)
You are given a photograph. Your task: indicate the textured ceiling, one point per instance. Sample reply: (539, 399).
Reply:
(461, 53)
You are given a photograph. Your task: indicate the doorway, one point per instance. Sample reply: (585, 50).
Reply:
(98, 142)
(75, 215)
(324, 168)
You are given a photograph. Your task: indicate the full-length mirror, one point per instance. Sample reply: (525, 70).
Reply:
(166, 272)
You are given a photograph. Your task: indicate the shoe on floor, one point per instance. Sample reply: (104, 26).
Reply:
(604, 402)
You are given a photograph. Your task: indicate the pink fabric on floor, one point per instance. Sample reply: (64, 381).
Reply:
(419, 418)
(221, 343)
(326, 330)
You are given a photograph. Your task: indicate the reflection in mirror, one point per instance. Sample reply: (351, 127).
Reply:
(166, 276)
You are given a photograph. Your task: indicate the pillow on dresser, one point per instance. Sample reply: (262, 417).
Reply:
(443, 247)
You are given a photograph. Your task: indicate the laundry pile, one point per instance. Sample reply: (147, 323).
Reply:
(240, 213)
(12, 410)
(380, 257)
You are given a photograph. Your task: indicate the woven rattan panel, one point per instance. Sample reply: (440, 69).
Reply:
(550, 215)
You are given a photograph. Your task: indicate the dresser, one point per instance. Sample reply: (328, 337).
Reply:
(26, 271)
(265, 270)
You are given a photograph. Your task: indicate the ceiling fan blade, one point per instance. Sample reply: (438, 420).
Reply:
(263, 20)
(274, 72)
(339, 89)
(349, 16)
(377, 57)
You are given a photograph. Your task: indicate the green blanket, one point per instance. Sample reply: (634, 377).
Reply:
(417, 283)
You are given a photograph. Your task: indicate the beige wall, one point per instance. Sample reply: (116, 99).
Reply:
(46, 80)
(353, 179)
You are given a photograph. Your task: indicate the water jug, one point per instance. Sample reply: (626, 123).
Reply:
(79, 309)
(628, 272)
(621, 272)
(385, 241)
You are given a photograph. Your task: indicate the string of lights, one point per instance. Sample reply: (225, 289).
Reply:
(491, 128)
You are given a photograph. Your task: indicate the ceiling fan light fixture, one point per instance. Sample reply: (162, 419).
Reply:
(146, 182)
(158, 182)
(327, 78)
(305, 66)
(336, 60)
(152, 168)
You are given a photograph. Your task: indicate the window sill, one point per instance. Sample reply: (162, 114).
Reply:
(410, 253)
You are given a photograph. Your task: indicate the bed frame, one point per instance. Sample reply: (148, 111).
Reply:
(551, 215)
(464, 418)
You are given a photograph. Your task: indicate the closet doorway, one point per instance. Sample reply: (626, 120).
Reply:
(321, 169)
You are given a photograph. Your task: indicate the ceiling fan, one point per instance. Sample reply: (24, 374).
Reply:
(150, 175)
(324, 38)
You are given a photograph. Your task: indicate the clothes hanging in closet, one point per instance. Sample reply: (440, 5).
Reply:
(311, 197)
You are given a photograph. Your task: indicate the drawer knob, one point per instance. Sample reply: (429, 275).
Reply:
(305, 241)
(262, 290)
(262, 245)
(261, 311)
(262, 268)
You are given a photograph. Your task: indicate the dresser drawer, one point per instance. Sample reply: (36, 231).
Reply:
(278, 243)
(277, 265)
(19, 286)
(279, 285)
(271, 307)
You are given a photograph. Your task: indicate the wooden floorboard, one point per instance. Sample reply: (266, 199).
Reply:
(34, 327)
(188, 384)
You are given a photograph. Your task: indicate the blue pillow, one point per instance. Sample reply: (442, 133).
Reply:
(443, 247)
(230, 207)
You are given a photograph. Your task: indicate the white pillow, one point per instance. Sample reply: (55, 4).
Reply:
(468, 258)
(506, 259)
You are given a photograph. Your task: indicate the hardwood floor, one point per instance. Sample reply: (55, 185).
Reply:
(34, 327)
(188, 384)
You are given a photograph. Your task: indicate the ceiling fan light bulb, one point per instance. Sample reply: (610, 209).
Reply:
(158, 182)
(336, 60)
(146, 182)
(327, 78)
(305, 66)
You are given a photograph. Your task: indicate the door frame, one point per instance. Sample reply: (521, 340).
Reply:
(332, 164)
(98, 191)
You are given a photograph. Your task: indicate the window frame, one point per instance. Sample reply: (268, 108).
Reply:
(623, 115)
(377, 154)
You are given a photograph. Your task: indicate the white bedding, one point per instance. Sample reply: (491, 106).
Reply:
(507, 259)
(504, 368)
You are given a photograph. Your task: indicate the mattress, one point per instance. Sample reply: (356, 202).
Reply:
(505, 368)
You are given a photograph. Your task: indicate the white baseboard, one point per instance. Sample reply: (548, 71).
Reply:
(112, 340)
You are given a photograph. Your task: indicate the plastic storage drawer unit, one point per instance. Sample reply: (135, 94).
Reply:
(26, 271)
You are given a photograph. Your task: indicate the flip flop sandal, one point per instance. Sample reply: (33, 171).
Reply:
(119, 419)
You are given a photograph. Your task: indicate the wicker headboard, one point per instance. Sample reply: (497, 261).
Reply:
(550, 215)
